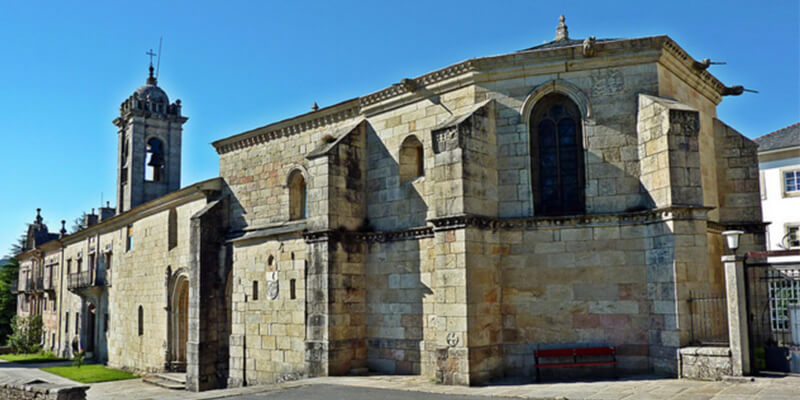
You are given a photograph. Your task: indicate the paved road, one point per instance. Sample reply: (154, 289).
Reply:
(332, 392)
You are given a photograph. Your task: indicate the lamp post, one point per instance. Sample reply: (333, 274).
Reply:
(732, 239)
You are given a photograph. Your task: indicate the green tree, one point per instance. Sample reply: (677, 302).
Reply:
(9, 273)
(78, 223)
(26, 334)
(19, 246)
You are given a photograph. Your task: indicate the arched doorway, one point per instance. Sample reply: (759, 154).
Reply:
(179, 322)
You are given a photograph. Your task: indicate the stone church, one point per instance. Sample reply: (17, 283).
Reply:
(568, 194)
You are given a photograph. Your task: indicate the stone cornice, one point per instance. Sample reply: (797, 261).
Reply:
(508, 66)
(532, 223)
(679, 62)
(369, 237)
(405, 234)
(327, 116)
(744, 226)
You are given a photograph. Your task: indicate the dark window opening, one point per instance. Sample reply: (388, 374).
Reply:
(172, 229)
(255, 290)
(412, 160)
(77, 322)
(141, 321)
(154, 166)
(292, 289)
(557, 151)
(129, 238)
(298, 196)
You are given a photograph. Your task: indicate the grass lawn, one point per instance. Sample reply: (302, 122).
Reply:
(90, 373)
(39, 357)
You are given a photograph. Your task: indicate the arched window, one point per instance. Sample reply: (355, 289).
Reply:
(557, 157)
(154, 165)
(141, 321)
(412, 159)
(298, 196)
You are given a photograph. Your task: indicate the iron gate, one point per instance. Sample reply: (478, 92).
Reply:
(773, 305)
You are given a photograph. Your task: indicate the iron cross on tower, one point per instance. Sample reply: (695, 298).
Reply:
(151, 54)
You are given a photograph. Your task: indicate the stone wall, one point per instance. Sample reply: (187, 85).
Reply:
(140, 278)
(607, 97)
(268, 326)
(41, 391)
(399, 308)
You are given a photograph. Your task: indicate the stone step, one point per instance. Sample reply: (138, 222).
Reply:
(177, 377)
(166, 381)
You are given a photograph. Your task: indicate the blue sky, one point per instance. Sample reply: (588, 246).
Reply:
(66, 66)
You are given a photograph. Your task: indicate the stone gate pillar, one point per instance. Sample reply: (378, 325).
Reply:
(739, 341)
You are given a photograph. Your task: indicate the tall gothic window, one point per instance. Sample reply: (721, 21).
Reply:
(298, 196)
(155, 160)
(557, 157)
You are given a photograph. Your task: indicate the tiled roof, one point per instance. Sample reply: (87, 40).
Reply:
(782, 138)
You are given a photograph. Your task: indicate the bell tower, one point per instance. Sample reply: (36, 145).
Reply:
(149, 145)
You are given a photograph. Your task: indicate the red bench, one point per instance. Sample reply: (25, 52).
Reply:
(576, 354)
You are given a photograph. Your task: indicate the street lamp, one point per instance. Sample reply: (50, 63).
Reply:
(732, 238)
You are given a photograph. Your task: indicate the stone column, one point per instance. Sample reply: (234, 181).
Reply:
(737, 314)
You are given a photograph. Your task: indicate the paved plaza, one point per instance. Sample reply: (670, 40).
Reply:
(396, 387)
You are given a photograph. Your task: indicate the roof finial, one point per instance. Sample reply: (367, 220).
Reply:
(151, 80)
(63, 227)
(561, 30)
(38, 216)
(314, 107)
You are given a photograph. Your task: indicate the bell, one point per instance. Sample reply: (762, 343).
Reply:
(156, 160)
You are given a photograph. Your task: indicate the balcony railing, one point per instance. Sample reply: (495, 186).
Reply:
(85, 279)
(38, 284)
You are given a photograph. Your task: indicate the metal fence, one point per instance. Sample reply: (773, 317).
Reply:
(773, 303)
(709, 319)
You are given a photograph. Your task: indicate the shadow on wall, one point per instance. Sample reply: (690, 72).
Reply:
(393, 204)
(394, 269)
(621, 282)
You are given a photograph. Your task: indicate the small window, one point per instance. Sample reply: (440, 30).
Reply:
(791, 183)
(298, 196)
(412, 160)
(270, 260)
(79, 265)
(77, 322)
(129, 238)
(66, 322)
(154, 167)
(69, 266)
(255, 290)
(172, 229)
(141, 321)
(292, 289)
(792, 238)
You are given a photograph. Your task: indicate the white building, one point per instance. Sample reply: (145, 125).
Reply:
(779, 170)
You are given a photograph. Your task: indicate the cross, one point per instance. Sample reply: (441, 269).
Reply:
(151, 54)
